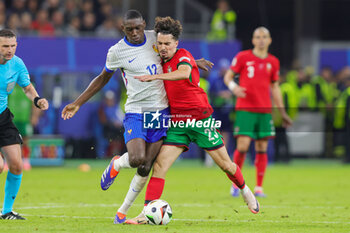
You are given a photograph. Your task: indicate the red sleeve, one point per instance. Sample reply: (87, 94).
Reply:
(275, 70)
(183, 57)
(237, 63)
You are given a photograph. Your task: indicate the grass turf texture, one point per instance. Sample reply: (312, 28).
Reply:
(307, 196)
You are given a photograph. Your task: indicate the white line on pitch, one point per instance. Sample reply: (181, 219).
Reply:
(57, 205)
(197, 220)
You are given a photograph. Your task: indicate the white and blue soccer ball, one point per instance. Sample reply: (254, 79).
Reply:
(158, 212)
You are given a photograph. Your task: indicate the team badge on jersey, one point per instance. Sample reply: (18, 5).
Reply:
(268, 67)
(234, 61)
(169, 69)
(155, 48)
(10, 86)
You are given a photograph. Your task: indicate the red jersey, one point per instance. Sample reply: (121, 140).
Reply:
(256, 75)
(186, 99)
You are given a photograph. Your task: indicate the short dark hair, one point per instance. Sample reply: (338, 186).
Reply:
(132, 14)
(168, 25)
(7, 33)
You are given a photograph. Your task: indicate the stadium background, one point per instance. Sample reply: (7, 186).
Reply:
(63, 56)
(310, 193)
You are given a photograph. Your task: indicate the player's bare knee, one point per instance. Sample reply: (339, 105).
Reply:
(136, 160)
(2, 164)
(144, 170)
(15, 168)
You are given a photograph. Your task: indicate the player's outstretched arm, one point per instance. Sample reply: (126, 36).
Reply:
(183, 72)
(277, 98)
(204, 64)
(230, 83)
(95, 85)
(32, 94)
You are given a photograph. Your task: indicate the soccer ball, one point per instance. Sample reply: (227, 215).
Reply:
(158, 212)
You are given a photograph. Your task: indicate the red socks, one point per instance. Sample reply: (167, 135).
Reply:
(260, 164)
(237, 178)
(238, 158)
(154, 189)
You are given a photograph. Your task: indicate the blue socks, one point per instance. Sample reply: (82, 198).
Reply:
(13, 182)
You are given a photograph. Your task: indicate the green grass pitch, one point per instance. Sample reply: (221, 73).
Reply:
(305, 196)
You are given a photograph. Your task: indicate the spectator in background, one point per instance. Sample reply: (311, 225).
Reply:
(58, 22)
(52, 6)
(71, 10)
(86, 7)
(2, 20)
(73, 27)
(111, 117)
(42, 24)
(342, 120)
(26, 24)
(14, 23)
(18, 7)
(32, 7)
(222, 26)
(2, 8)
(105, 12)
(341, 78)
(88, 23)
(307, 94)
(107, 29)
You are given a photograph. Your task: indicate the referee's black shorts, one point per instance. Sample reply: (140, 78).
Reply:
(9, 134)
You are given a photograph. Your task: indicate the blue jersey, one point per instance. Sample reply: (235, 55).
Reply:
(14, 71)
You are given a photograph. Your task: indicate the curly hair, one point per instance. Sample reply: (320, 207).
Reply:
(168, 25)
(7, 33)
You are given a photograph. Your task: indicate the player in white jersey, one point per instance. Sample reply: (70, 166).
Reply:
(134, 60)
(134, 55)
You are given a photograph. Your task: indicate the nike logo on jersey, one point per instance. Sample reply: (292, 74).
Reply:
(250, 63)
(132, 60)
(129, 131)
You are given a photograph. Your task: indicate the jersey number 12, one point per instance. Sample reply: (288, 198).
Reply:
(152, 69)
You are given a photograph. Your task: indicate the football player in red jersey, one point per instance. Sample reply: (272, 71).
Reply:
(259, 74)
(188, 103)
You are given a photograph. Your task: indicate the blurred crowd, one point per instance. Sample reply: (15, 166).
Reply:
(71, 18)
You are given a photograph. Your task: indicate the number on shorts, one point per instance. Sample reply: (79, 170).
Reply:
(209, 132)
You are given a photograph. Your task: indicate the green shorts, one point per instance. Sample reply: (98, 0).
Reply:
(254, 125)
(204, 135)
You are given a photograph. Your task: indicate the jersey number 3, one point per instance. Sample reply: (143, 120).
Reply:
(152, 69)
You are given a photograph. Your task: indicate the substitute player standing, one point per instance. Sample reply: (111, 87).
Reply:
(187, 102)
(259, 74)
(12, 71)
